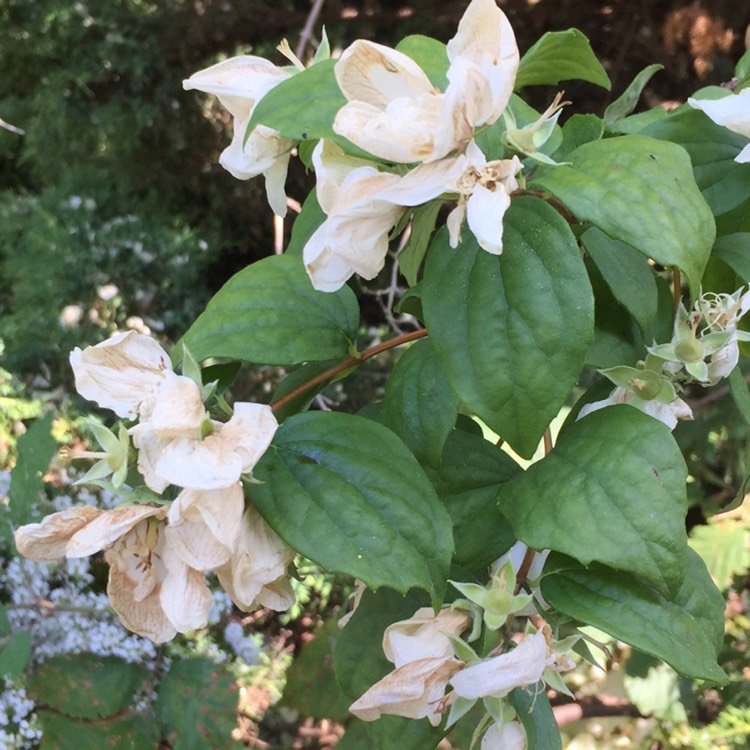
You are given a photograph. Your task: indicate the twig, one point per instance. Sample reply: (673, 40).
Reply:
(307, 29)
(12, 128)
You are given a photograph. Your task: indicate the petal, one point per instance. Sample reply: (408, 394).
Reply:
(49, 539)
(497, 676)
(184, 595)
(485, 37)
(423, 635)
(108, 527)
(150, 449)
(327, 271)
(484, 214)
(276, 182)
(239, 82)
(413, 691)
(204, 526)
(375, 74)
(744, 156)
(278, 595)
(178, 409)
(121, 373)
(332, 167)
(732, 112)
(509, 736)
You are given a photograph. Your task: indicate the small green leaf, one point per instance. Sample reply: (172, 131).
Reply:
(430, 55)
(35, 450)
(269, 313)
(626, 102)
(627, 274)
(422, 226)
(639, 191)
(419, 405)
(742, 69)
(686, 632)
(612, 491)
(561, 56)
(86, 686)
(307, 221)
(15, 650)
(512, 331)
(579, 129)
(739, 390)
(347, 493)
(196, 705)
(467, 481)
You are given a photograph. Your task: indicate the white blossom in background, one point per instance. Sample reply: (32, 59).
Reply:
(731, 112)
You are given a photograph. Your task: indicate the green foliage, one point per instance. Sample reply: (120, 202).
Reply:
(323, 492)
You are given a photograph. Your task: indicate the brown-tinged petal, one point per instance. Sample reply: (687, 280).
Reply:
(184, 595)
(413, 691)
(49, 539)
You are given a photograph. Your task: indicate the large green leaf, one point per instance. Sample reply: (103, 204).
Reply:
(419, 405)
(734, 251)
(269, 313)
(723, 546)
(535, 713)
(467, 481)
(725, 184)
(512, 331)
(126, 731)
(640, 191)
(686, 632)
(560, 56)
(611, 491)
(306, 222)
(86, 686)
(347, 493)
(15, 650)
(196, 705)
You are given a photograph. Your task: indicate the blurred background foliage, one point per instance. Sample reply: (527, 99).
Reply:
(114, 212)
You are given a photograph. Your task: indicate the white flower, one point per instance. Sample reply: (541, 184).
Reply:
(240, 83)
(395, 113)
(508, 736)
(154, 592)
(667, 413)
(179, 444)
(122, 373)
(498, 675)
(731, 112)
(423, 655)
(255, 574)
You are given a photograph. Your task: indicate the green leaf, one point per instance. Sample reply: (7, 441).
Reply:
(724, 183)
(723, 546)
(639, 191)
(467, 481)
(306, 222)
(86, 686)
(535, 713)
(15, 650)
(269, 313)
(742, 69)
(740, 394)
(430, 55)
(126, 732)
(579, 129)
(611, 491)
(311, 686)
(627, 274)
(686, 632)
(560, 56)
(626, 102)
(35, 450)
(347, 493)
(419, 405)
(422, 226)
(196, 705)
(734, 250)
(512, 331)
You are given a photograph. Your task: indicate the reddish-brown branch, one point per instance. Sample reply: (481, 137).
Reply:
(589, 706)
(346, 364)
(560, 207)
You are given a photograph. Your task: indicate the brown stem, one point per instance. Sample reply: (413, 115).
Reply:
(590, 706)
(676, 290)
(345, 365)
(560, 207)
(547, 441)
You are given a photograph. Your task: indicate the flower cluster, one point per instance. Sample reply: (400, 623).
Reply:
(159, 550)
(436, 672)
(704, 349)
(421, 142)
